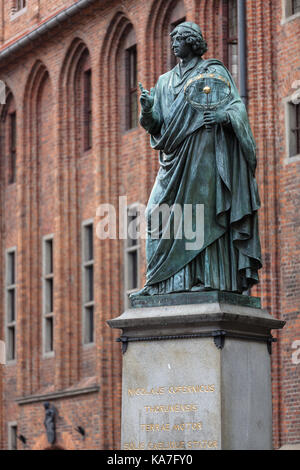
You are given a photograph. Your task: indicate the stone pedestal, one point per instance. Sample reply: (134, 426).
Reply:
(196, 373)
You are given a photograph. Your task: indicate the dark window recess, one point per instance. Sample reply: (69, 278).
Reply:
(11, 268)
(89, 325)
(13, 441)
(88, 243)
(132, 270)
(11, 351)
(87, 109)
(295, 7)
(132, 250)
(89, 278)
(11, 304)
(48, 292)
(19, 5)
(296, 129)
(88, 284)
(232, 39)
(49, 346)
(131, 88)
(12, 147)
(132, 228)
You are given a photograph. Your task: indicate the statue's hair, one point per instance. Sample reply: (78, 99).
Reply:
(193, 38)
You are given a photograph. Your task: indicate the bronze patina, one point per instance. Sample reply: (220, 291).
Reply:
(199, 124)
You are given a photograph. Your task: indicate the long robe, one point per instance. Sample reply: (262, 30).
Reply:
(216, 169)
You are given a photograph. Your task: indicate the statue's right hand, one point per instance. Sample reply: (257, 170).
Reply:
(146, 99)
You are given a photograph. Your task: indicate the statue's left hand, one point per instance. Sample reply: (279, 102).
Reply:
(215, 117)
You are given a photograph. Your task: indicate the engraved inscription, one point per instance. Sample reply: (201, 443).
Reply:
(140, 391)
(168, 445)
(176, 427)
(165, 409)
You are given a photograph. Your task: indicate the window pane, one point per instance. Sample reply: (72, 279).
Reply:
(295, 6)
(11, 347)
(89, 325)
(89, 283)
(13, 437)
(87, 112)
(133, 67)
(134, 109)
(88, 243)
(49, 257)
(48, 295)
(294, 118)
(12, 150)
(297, 112)
(132, 270)
(11, 305)
(133, 227)
(233, 61)
(49, 334)
(131, 85)
(11, 269)
(232, 19)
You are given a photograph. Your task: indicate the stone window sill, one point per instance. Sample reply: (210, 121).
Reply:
(48, 355)
(295, 158)
(11, 362)
(16, 15)
(288, 19)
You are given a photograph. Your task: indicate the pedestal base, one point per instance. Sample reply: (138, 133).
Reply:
(196, 376)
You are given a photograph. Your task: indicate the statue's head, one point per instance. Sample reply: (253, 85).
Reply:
(46, 405)
(188, 37)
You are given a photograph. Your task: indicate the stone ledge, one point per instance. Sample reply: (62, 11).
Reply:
(195, 318)
(57, 395)
(190, 298)
(291, 447)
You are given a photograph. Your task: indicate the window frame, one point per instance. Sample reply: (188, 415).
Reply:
(10, 426)
(294, 12)
(87, 111)
(17, 10)
(287, 12)
(46, 276)
(288, 103)
(127, 250)
(131, 65)
(9, 140)
(232, 41)
(87, 263)
(11, 325)
(12, 135)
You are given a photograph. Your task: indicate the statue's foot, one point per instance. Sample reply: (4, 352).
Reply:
(201, 288)
(145, 291)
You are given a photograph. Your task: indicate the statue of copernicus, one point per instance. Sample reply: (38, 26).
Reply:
(207, 157)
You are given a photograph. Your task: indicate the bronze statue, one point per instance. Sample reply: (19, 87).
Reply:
(198, 123)
(49, 422)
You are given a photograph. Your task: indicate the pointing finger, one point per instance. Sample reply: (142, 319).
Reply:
(141, 87)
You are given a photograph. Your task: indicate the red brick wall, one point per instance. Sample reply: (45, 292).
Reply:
(286, 73)
(59, 186)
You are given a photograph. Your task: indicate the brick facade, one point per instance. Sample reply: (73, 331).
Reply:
(59, 186)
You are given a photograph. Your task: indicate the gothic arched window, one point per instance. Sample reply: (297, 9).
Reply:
(9, 140)
(83, 100)
(129, 59)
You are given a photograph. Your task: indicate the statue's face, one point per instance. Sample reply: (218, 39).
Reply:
(180, 48)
